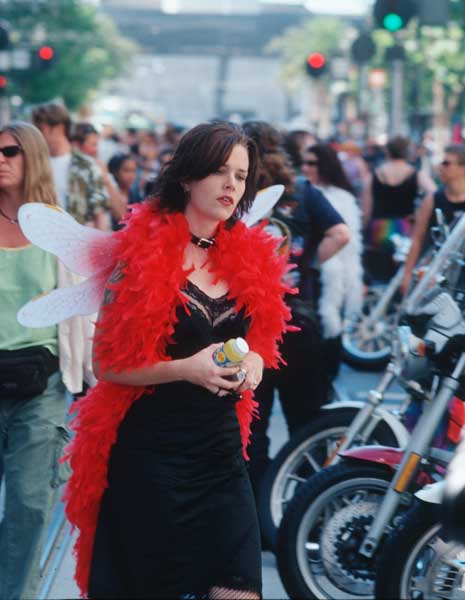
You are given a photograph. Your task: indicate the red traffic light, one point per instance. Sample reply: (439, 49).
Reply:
(46, 53)
(316, 60)
(3, 82)
(316, 64)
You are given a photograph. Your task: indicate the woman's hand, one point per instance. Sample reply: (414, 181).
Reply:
(252, 366)
(201, 369)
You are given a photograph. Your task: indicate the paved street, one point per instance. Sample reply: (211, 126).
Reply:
(58, 581)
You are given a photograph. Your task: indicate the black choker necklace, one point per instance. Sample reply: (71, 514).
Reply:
(204, 243)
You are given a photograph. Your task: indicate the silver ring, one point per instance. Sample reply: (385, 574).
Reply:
(241, 374)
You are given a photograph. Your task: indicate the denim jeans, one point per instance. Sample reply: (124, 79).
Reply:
(32, 436)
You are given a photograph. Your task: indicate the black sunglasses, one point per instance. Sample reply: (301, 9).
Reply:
(310, 163)
(448, 163)
(10, 151)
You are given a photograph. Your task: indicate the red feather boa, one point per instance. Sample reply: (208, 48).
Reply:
(136, 327)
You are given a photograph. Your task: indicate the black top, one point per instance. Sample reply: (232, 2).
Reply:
(308, 215)
(394, 201)
(451, 210)
(180, 417)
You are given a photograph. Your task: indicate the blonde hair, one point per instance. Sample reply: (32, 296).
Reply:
(38, 181)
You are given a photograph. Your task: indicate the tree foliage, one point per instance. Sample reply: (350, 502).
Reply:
(433, 55)
(88, 49)
(321, 34)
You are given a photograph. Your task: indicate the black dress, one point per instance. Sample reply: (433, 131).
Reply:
(178, 516)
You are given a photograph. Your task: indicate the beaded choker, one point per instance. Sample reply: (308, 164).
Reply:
(201, 242)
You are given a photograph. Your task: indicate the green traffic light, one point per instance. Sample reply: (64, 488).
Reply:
(393, 22)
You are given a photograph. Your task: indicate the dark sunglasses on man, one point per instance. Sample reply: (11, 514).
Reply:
(10, 151)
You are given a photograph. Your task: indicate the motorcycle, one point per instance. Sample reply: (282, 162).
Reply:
(342, 424)
(417, 560)
(367, 338)
(331, 533)
(349, 423)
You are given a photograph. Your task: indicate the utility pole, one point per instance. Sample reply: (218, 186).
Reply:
(224, 62)
(396, 56)
(397, 99)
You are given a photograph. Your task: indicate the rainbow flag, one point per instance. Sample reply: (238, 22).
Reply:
(379, 231)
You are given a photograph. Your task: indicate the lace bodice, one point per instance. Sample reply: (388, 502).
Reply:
(215, 310)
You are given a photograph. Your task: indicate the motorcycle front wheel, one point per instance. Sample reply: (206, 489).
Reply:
(416, 562)
(322, 529)
(367, 346)
(303, 456)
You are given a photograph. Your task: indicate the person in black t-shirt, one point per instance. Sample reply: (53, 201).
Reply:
(450, 199)
(315, 232)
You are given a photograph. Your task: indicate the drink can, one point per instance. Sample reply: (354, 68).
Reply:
(231, 352)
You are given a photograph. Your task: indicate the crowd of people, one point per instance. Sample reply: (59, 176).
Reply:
(159, 491)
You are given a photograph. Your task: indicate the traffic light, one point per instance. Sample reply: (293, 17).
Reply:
(363, 48)
(394, 14)
(3, 84)
(316, 64)
(44, 57)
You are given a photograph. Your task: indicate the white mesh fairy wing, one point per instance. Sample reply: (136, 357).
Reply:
(49, 309)
(84, 250)
(262, 204)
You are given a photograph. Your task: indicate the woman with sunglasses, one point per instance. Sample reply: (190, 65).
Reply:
(32, 390)
(341, 276)
(450, 198)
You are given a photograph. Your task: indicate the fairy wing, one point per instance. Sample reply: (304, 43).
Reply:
(49, 309)
(84, 250)
(88, 252)
(262, 204)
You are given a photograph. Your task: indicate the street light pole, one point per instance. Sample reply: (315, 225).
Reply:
(5, 113)
(397, 98)
(396, 56)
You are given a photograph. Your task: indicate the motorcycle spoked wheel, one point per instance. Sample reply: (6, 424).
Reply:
(370, 349)
(303, 456)
(416, 562)
(322, 528)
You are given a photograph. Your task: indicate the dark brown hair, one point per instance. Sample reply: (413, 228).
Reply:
(200, 152)
(458, 150)
(52, 114)
(398, 147)
(330, 169)
(80, 131)
(275, 164)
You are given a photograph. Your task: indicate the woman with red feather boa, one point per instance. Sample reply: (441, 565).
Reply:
(160, 492)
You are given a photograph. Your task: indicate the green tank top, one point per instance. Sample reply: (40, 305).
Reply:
(25, 273)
